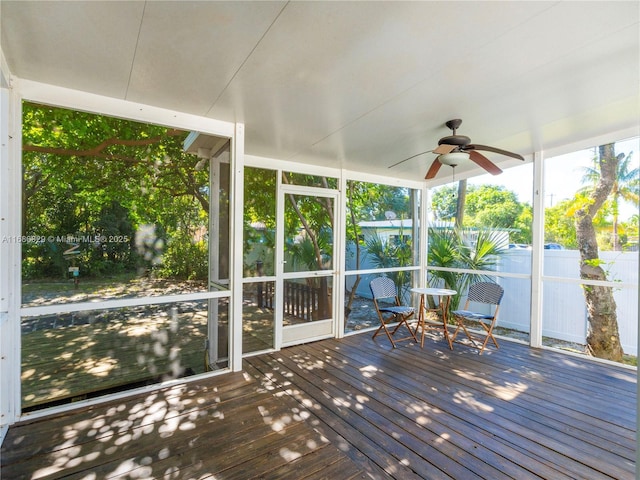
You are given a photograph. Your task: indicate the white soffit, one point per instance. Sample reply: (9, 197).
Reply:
(354, 85)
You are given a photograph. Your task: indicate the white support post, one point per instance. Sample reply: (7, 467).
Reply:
(279, 265)
(535, 329)
(236, 250)
(425, 205)
(5, 328)
(10, 230)
(339, 256)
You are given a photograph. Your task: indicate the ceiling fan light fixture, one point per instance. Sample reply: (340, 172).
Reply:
(453, 149)
(453, 159)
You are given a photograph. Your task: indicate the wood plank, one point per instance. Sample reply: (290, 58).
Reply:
(162, 421)
(373, 446)
(470, 439)
(317, 464)
(236, 455)
(267, 427)
(326, 423)
(379, 416)
(544, 443)
(516, 426)
(375, 407)
(118, 414)
(548, 409)
(354, 408)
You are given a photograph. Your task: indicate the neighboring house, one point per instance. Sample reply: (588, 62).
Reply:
(391, 230)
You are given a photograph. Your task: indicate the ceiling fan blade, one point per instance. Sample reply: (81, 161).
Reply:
(494, 150)
(484, 162)
(433, 170)
(413, 156)
(444, 148)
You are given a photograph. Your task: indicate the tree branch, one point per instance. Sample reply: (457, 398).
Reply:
(97, 150)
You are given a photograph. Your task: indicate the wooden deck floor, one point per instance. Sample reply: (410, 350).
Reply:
(355, 408)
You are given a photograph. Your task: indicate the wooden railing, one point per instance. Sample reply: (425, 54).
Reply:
(301, 301)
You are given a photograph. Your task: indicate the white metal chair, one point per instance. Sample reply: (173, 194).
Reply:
(383, 288)
(485, 293)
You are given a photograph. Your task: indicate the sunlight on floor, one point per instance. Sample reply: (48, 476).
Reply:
(507, 392)
(469, 399)
(289, 455)
(369, 371)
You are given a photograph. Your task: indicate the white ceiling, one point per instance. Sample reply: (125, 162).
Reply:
(359, 85)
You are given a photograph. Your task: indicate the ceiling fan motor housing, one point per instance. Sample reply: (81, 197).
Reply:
(457, 140)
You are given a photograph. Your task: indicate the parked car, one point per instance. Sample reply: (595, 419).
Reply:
(520, 246)
(553, 246)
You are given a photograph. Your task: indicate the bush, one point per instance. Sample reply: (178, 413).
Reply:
(184, 259)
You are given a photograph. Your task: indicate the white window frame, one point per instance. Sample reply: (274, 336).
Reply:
(25, 90)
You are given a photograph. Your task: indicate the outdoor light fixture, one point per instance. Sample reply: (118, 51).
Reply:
(453, 159)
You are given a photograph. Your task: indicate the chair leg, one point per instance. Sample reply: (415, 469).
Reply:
(402, 321)
(383, 326)
(463, 327)
(489, 331)
(476, 344)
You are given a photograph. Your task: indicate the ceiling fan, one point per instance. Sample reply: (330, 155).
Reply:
(455, 148)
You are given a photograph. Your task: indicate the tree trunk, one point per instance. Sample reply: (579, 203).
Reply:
(462, 198)
(603, 338)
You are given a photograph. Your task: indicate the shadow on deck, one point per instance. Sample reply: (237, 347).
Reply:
(354, 408)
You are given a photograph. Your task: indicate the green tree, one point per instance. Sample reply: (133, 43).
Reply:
(559, 226)
(259, 220)
(356, 193)
(523, 225)
(443, 202)
(86, 174)
(626, 188)
(492, 206)
(486, 206)
(314, 215)
(367, 202)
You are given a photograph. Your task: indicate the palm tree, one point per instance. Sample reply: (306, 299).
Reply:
(387, 254)
(451, 248)
(626, 187)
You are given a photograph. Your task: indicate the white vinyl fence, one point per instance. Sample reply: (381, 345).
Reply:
(564, 314)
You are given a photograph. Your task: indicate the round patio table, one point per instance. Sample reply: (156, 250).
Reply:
(444, 298)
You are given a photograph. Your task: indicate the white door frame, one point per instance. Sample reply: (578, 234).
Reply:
(296, 334)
